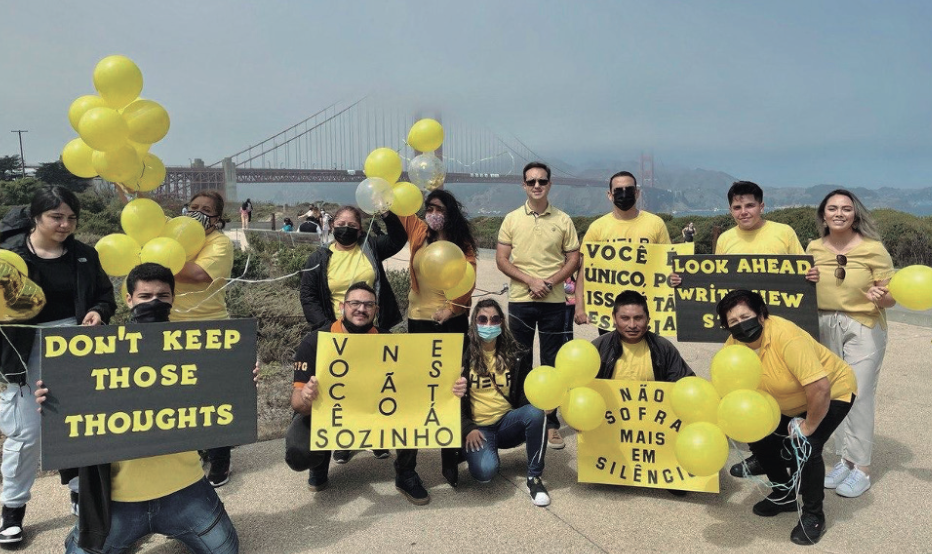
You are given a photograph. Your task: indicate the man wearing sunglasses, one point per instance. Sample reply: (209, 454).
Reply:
(538, 248)
(358, 309)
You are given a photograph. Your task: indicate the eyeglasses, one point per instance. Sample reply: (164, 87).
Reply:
(484, 320)
(356, 304)
(535, 182)
(840, 270)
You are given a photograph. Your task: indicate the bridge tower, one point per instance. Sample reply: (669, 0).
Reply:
(646, 175)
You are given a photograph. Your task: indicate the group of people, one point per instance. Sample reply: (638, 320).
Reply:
(824, 387)
(315, 221)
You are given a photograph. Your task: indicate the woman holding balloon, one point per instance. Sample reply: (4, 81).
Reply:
(853, 295)
(77, 291)
(814, 389)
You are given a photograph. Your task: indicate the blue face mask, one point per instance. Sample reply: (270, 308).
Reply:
(489, 333)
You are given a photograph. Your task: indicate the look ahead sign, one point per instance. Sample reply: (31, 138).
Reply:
(124, 392)
(635, 445)
(386, 391)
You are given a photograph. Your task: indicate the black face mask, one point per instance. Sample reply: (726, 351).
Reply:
(353, 328)
(153, 311)
(747, 331)
(625, 198)
(346, 235)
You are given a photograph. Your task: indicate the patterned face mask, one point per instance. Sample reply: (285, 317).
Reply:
(201, 218)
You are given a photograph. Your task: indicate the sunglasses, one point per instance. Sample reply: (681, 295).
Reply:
(840, 270)
(484, 320)
(535, 182)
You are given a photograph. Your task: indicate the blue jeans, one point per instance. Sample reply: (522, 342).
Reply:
(523, 425)
(194, 515)
(548, 319)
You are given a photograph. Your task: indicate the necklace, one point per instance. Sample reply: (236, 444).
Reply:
(48, 253)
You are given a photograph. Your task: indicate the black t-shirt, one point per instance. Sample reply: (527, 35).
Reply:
(57, 279)
(307, 227)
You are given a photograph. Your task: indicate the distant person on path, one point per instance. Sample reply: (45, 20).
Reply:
(184, 209)
(538, 249)
(625, 223)
(689, 232)
(325, 227)
(308, 226)
(358, 312)
(245, 213)
(853, 296)
(288, 226)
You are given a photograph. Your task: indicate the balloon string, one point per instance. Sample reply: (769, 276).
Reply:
(797, 450)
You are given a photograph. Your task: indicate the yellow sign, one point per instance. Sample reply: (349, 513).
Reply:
(635, 445)
(385, 391)
(610, 267)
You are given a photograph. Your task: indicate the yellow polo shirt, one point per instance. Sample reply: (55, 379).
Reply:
(145, 479)
(202, 301)
(771, 238)
(488, 405)
(344, 269)
(645, 228)
(539, 243)
(868, 263)
(635, 363)
(792, 359)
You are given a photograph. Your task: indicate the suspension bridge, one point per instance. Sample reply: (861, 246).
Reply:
(331, 146)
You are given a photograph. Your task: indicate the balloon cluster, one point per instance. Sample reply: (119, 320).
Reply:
(381, 191)
(730, 405)
(565, 386)
(21, 298)
(911, 287)
(116, 129)
(441, 265)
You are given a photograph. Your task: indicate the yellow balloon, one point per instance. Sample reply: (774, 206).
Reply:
(140, 148)
(81, 105)
(441, 266)
(147, 120)
(118, 166)
(189, 234)
(735, 367)
(544, 388)
(464, 286)
(578, 362)
(426, 135)
(774, 409)
(407, 200)
(20, 297)
(103, 129)
(14, 260)
(383, 163)
(374, 196)
(911, 287)
(143, 219)
(695, 399)
(701, 448)
(165, 252)
(118, 253)
(427, 172)
(745, 415)
(152, 175)
(118, 80)
(77, 157)
(583, 409)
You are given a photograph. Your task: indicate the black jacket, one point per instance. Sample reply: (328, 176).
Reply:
(516, 395)
(668, 365)
(316, 299)
(94, 291)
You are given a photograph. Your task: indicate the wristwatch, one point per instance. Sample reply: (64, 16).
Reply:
(549, 285)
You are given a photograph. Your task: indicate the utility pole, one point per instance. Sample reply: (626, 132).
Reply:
(22, 157)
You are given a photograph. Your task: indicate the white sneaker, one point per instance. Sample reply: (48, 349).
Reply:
(538, 492)
(837, 476)
(855, 485)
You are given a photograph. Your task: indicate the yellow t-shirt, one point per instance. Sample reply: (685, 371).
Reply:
(868, 262)
(771, 238)
(201, 301)
(344, 269)
(488, 406)
(635, 363)
(645, 228)
(539, 243)
(791, 359)
(145, 479)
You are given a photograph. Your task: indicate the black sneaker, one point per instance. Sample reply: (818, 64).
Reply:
(776, 503)
(676, 492)
(341, 456)
(413, 489)
(380, 454)
(11, 531)
(318, 480)
(808, 531)
(74, 504)
(753, 468)
(449, 465)
(539, 495)
(219, 473)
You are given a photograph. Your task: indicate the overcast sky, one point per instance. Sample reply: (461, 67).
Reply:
(783, 93)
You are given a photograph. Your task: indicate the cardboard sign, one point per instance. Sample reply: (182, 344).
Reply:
(133, 391)
(780, 280)
(385, 391)
(610, 267)
(635, 445)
